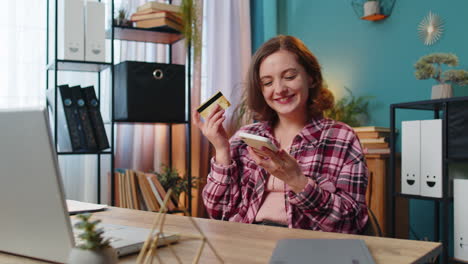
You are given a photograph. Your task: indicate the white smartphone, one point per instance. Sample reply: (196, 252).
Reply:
(257, 142)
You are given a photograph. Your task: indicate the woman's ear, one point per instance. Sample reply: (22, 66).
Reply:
(310, 82)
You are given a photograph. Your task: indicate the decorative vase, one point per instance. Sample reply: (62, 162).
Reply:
(442, 91)
(371, 8)
(102, 256)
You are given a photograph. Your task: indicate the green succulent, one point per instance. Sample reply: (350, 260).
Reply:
(92, 237)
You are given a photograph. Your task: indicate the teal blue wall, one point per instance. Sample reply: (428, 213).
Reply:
(370, 58)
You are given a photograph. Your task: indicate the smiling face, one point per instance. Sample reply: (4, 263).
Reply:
(285, 85)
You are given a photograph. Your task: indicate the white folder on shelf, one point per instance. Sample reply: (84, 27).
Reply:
(410, 157)
(460, 216)
(95, 36)
(431, 158)
(70, 30)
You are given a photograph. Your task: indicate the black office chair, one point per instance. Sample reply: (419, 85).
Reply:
(372, 227)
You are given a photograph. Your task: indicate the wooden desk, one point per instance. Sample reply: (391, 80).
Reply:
(244, 243)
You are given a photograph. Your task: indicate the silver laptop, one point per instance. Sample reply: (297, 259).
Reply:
(34, 220)
(323, 251)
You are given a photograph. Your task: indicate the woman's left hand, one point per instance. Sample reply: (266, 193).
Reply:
(281, 165)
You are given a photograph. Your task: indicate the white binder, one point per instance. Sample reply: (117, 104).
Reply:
(70, 29)
(410, 157)
(460, 216)
(431, 158)
(95, 38)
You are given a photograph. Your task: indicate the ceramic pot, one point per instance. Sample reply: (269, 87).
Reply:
(371, 8)
(442, 91)
(103, 256)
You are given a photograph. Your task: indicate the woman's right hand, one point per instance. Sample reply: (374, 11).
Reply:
(214, 131)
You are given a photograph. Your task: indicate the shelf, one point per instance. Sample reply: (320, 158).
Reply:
(375, 17)
(418, 197)
(81, 66)
(454, 130)
(82, 153)
(456, 159)
(458, 261)
(163, 35)
(429, 104)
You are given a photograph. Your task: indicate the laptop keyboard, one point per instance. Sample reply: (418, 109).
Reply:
(107, 230)
(126, 239)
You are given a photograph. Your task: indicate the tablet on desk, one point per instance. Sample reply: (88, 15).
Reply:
(77, 207)
(324, 251)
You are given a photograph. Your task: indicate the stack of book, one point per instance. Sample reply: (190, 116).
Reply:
(154, 14)
(374, 140)
(141, 191)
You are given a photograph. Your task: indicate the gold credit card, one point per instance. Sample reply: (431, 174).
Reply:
(217, 99)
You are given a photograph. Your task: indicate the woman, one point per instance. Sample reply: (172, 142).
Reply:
(318, 178)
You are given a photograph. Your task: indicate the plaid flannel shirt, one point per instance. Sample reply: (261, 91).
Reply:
(329, 154)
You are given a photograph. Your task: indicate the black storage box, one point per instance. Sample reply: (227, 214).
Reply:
(149, 92)
(457, 130)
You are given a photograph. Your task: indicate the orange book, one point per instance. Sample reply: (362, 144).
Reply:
(133, 190)
(123, 190)
(148, 196)
(154, 10)
(371, 129)
(160, 189)
(374, 140)
(372, 134)
(156, 194)
(158, 6)
(159, 22)
(375, 145)
(126, 189)
(158, 14)
(116, 189)
(376, 151)
(144, 196)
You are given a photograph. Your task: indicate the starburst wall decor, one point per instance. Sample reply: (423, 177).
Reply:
(431, 29)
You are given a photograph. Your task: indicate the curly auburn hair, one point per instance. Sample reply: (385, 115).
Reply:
(320, 98)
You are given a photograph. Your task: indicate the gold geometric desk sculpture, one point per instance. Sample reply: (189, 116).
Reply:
(149, 250)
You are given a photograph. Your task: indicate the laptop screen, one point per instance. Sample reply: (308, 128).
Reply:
(34, 220)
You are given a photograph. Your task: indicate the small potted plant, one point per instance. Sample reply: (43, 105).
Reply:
(94, 249)
(121, 18)
(430, 66)
(371, 7)
(350, 109)
(170, 179)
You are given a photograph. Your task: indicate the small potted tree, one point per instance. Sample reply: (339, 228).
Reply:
(94, 249)
(430, 66)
